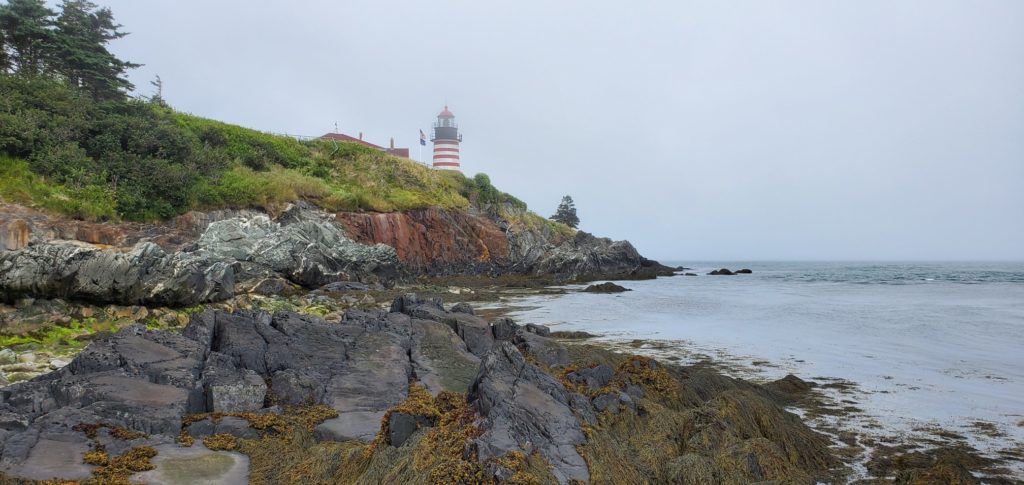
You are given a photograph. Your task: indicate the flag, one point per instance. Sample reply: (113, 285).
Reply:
(423, 138)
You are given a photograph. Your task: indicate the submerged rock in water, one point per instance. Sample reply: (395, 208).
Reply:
(722, 272)
(607, 287)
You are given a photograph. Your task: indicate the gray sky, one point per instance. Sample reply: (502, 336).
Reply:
(711, 130)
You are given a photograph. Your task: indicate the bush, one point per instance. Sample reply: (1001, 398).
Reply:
(20, 186)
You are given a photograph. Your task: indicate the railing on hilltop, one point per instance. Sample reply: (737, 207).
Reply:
(335, 142)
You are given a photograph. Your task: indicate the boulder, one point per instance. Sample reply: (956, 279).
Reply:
(594, 377)
(722, 272)
(541, 330)
(744, 271)
(7, 356)
(504, 328)
(402, 425)
(612, 401)
(607, 287)
(462, 307)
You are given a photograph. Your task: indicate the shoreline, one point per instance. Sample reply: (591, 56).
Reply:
(837, 407)
(871, 452)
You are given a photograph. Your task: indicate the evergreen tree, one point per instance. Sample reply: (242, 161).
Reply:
(158, 97)
(566, 213)
(27, 30)
(5, 59)
(83, 32)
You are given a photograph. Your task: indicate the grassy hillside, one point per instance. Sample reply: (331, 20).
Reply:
(63, 151)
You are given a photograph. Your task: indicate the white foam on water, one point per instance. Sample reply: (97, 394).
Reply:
(944, 350)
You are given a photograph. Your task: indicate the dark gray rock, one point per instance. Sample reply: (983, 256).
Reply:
(462, 307)
(721, 272)
(613, 401)
(504, 328)
(580, 405)
(236, 427)
(402, 425)
(360, 366)
(588, 257)
(229, 389)
(545, 350)
(594, 377)
(607, 402)
(541, 330)
(519, 403)
(744, 271)
(634, 391)
(607, 287)
(473, 330)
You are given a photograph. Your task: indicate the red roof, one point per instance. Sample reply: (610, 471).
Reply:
(400, 152)
(446, 113)
(344, 137)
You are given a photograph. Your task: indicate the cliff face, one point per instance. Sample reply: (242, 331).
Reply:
(203, 257)
(446, 242)
(169, 265)
(435, 241)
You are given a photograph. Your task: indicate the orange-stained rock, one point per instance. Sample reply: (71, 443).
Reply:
(434, 239)
(14, 234)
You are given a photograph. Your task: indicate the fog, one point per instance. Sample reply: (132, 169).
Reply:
(868, 130)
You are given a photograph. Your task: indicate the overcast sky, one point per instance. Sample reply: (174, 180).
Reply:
(867, 130)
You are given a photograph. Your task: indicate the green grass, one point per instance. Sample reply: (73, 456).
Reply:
(20, 186)
(56, 336)
(65, 152)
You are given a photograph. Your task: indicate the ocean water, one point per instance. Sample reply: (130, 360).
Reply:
(926, 344)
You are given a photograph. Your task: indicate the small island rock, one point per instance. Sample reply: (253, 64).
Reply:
(607, 287)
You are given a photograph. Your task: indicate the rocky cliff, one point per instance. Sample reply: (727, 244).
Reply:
(204, 257)
(496, 241)
(248, 252)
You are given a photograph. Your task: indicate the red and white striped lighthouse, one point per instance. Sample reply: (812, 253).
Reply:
(446, 140)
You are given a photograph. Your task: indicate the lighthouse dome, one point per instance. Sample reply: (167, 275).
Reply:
(445, 113)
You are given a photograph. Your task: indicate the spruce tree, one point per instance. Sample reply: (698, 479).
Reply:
(5, 59)
(83, 32)
(27, 30)
(566, 213)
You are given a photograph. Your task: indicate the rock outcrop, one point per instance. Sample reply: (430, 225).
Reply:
(241, 253)
(586, 257)
(606, 287)
(434, 241)
(525, 396)
(206, 257)
(445, 242)
(522, 404)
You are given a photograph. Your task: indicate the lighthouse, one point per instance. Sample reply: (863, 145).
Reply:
(446, 140)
